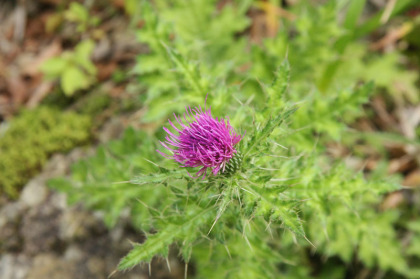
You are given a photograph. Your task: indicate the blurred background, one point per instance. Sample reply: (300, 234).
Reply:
(83, 83)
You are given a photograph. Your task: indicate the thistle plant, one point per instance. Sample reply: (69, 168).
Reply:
(241, 191)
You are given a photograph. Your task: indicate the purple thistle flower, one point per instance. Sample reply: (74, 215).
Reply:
(206, 142)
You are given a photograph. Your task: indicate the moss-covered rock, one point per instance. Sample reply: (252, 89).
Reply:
(31, 138)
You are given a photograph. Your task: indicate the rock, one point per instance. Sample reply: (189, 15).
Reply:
(79, 153)
(96, 267)
(50, 266)
(39, 229)
(14, 267)
(58, 165)
(125, 43)
(10, 213)
(59, 200)
(103, 50)
(10, 217)
(117, 233)
(34, 193)
(73, 253)
(77, 224)
(111, 130)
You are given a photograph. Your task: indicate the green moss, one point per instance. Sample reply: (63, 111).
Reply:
(31, 138)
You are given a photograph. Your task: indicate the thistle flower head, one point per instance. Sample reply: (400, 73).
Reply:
(204, 141)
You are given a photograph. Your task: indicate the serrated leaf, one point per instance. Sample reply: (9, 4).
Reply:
(275, 189)
(279, 86)
(188, 70)
(158, 244)
(270, 207)
(186, 252)
(290, 220)
(260, 135)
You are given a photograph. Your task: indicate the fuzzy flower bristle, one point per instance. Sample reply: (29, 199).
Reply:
(205, 141)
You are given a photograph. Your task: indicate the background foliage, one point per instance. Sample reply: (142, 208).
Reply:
(291, 210)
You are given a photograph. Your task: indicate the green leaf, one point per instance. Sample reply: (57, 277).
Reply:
(273, 209)
(60, 184)
(77, 12)
(158, 244)
(189, 71)
(375, 21)
(353, 13)
(82, 56)
(279, 86)
(158, 178)
(281, 80)
(54, 67)
(131, 6)
(72, 80)
(260, 135)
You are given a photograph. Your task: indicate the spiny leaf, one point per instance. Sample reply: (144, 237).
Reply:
(279, 86)
(223, 204)
(274, 209)
(158, 244)
(188, 70)
(261, 135)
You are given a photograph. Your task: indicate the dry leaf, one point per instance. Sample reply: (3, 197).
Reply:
(413, 179)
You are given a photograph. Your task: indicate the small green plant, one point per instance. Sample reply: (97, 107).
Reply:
(31, 138)
(74, 69)
(79, 14)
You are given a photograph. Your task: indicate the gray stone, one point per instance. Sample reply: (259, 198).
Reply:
(48, 265)
(10, 213)
(59, 200)
(14, 266)
(96, 267)
(103, 50)
(73, 253)
(111, 130)
(79, 153)
(78, 224)
(10, 217)
(117, 233)
(39, 229)
(58, 165)
(34, 193)
(52, 266)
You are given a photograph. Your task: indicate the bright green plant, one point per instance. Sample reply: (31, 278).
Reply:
(74, 69)
(31, 138)
(79, 14)
(288, 203)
